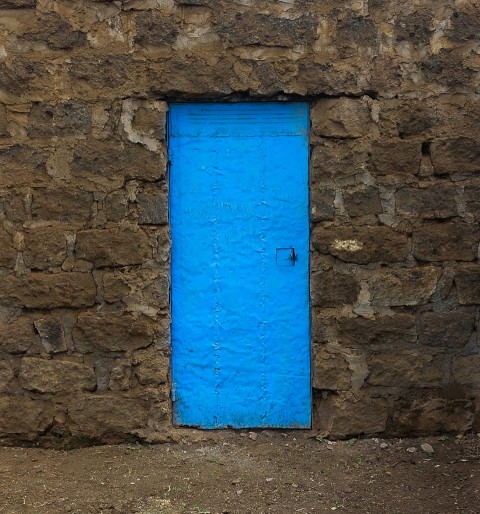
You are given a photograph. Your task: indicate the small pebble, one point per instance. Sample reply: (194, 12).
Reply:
(253, 436)
(427, 448)
(384, 446)
(412, 449)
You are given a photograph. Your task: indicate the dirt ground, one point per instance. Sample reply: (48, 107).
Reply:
(261, 472)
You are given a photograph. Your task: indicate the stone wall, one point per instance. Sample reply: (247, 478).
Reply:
(395, 203)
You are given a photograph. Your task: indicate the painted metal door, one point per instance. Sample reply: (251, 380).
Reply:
(240, 258)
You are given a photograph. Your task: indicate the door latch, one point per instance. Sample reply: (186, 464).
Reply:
(286, 257)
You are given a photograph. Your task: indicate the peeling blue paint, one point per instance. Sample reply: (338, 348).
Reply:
(240, 258)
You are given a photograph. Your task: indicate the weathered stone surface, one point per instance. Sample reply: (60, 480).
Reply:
(154, 28)
(151, 367)
(460, 155)
(396, 156)
(467, 280)
(113, 247)
(332, 289)
(22, 166)
(361, 244)
(8, 254)
(331, 369)
(17, 336)
(48, 291)
(398, 287)
(434, 201)
(322, 204)
(55, 376)
(413, 368)
(116, 206)
(62, 119)
(152, 204)
(3, 121)
(466, 370)
(363, 202)
(61, 204)
(23, 416)
(341, 118)
(344, 414)
(446, 242)
(52, 334)
(471, 197)
(120, 375)
(56, 33)
(113, 331)
(44, 247)
(394, 331)
(436, 416)
(104, 415)
(17, 4)
(446, 329)
(6, 375)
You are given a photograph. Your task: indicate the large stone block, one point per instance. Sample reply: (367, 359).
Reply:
(151, 367)
(155, 28)
(322, 204)
(434, 201)
(56, 376)
(345, 414)
(471, 198)
(446, 329)
(113, 247)
(52, 334)
(393, 331)
(460, 155)
(466, 370)
(332, 289)
(396, 156)
(431, 416)
(112, 331)
(399, 287)
(17, 4)
(17, 336)
(331, 368)
(363, 202)
(61, 204)
(8, 254)
(62, 119)
(44, 247)
(25, 417)
(341, 118)
(410, 368)
(361, 244)
(22, 166)
(467, 281)
(152, 205)
(48, 291)
(446, 242)
(6, 375)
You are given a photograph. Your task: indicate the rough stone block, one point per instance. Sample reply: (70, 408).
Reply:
(22, 166)
(116, 70)
(6, 375)
(393, 331)
(48, 291)
(152, 204)
(116, 205)
(331, 369)
(8, 255)
(112, 331)
(151, 367)
(467, 281)
(460, 155)
(322, 204)
(3, 121)
(361, 244)
(446, 242)
(17, 4)
(341, 118)
(446, 329)
(466, 370)
(434, 416)
(52, 334)
(396, 156)
(398, 287)
(56, 33)
(155, 28)
(113, 247)
(345, 414)
(45, 247)
(434, 201)
(18, 336)
(471, 198)
(412, 368)
(63, 119)
(55, 376)
(332, 289)
(120, 375)
(363, 202)
(23, 416)
(61, 204)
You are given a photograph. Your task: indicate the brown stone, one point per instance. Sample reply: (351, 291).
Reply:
(467, 280)
(466, 370)
(23, 416)
(331, 369)
(6, 375)
(322, 204)
(17, 4)
(8, 255)
(3, 121)
(112, 331)
(17, 336)
(332, 289)
(151, 367)
(116, 205)
(120, 375)
(113, 247)
(396, 156)
(52, 334)
(61, 204)
(154, 28)
(361, 244)
(48, 291)
(412, 368)
(341, 118)
(434, 416)
(344, 414)
(55, 376)
(446, 242)
(434, 201)
(152, 204)
(363, 202)
(115, 70)
(56, 33)
(62, 119)
(446, 329)
(471, 198)
(22, 166)
(398, 287)
(460, 155)
(393, 331)
(45, 247)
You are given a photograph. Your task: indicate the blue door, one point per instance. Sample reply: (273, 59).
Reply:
(240, 259)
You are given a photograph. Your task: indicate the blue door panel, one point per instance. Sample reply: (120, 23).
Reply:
(240, 316)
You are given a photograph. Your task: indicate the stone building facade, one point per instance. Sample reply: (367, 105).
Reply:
(394, 195)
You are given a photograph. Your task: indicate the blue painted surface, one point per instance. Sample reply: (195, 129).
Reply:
(240, 258)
